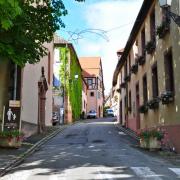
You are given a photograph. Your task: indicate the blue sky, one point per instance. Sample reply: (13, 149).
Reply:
(114, 17)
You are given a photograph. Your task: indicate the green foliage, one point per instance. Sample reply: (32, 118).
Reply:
(9, 9)
(147, 134)
(26, 26)
(14, 133)
(72, 86)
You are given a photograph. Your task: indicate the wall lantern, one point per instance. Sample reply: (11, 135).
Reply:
(165, 4)
(76, 76)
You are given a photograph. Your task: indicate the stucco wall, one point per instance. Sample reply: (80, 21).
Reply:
(166, 116)
(29, 101)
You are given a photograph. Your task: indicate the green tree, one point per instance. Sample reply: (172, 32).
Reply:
(26, 26)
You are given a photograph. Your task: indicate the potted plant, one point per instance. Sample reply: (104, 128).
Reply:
(154, 103)
(12, 139)
(143, 108)
(151, 139)
(162, 29)
(134, 68)
(167, 97)
(150, 47)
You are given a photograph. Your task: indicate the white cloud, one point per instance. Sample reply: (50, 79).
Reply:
(117, 16)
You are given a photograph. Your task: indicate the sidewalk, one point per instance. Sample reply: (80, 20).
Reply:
(167, 155)
(9, 158)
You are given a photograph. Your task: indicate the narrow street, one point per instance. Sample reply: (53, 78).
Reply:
(92, 150)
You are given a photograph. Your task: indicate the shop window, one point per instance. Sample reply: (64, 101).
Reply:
(169, 75)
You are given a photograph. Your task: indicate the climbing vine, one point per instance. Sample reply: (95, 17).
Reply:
(73, 86)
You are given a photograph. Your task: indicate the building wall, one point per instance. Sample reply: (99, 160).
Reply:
(92, 100)
(29, 101)
(166, 116)
(84, 98)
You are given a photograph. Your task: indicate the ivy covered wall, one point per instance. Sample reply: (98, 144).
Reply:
(73, 87)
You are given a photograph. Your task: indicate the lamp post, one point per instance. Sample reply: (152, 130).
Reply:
(165, 4)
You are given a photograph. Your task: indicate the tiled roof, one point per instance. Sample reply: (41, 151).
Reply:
(120, 50)
(59, 40)
(90, 66)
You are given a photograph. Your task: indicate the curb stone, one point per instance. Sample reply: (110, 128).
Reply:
(128, 132)
(30, 151)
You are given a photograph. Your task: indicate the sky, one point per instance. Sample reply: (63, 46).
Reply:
(100, 28)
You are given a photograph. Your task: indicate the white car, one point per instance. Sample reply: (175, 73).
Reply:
(109, 112)
(92, 114)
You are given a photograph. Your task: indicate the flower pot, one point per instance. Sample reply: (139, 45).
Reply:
(154, 144)
(144, 143)
(10, 142)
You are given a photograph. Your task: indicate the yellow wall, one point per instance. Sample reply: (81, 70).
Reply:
(166, 114)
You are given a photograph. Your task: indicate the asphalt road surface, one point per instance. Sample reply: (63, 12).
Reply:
(93, 150)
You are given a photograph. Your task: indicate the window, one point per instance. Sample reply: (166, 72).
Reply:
(84, 104)
(165, 16)
(99, 95)
(143, 41)
(129, 63)
(91, 94)
(152, 25)
(169, 75)
(125, 69)
(89, 81)
(155, 91)
(145, 97)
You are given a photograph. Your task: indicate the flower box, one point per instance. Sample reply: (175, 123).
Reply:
(134, 68)
(141, 60)
(143, 109)
(151, 139)
(167, 97)
(162, 29)
(123, 85)
(150, 47)
(10, 139)
(118, 90)
(154, 103)
(127, 78)
(154, 143)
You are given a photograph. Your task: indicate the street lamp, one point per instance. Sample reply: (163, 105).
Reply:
(165, 4)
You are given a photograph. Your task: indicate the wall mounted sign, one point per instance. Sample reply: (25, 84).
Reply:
(12, 116)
